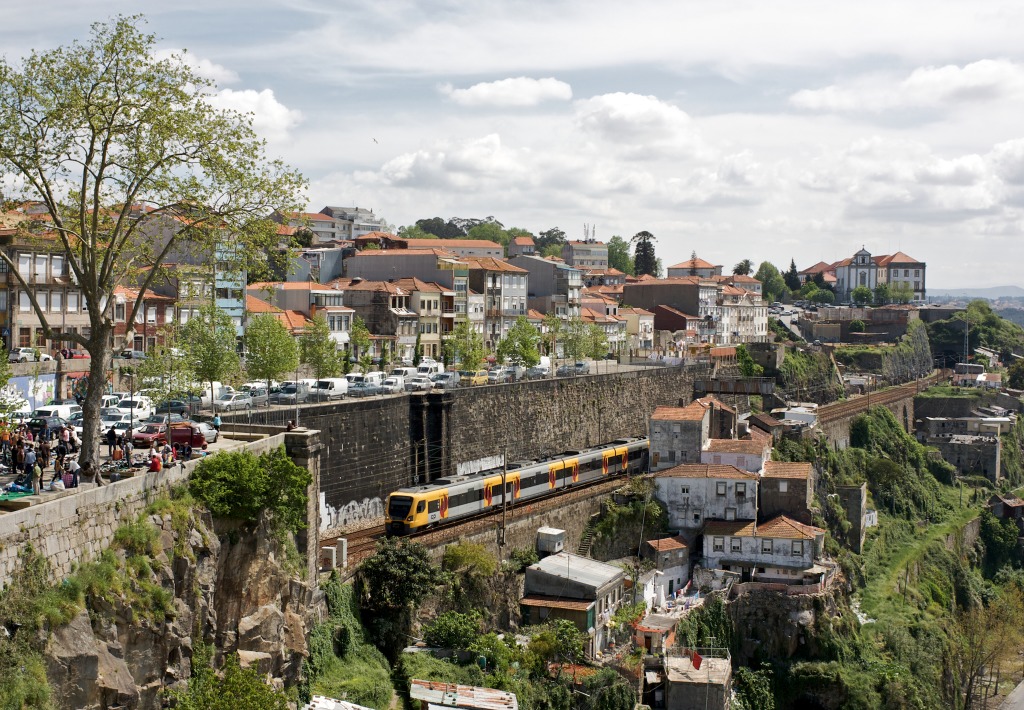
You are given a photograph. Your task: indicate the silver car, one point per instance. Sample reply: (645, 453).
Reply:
(418, 383)
(230, 401)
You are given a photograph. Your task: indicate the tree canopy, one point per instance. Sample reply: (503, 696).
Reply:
(743, 268)
(861, 295)
(792, 277)
(644, 259)
(271, 351)
(464, 346)
(519, 346)
(209, 342)
(773, 286)
(318, 350)
(132, 164)
(618, 255)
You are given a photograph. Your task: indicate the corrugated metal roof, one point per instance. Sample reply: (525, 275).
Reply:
(450, 695)
(578, 569)
(546, 602)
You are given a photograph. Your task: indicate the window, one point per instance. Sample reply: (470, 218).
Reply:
(783, 486)
(151, 314)
(25, 337)
(421, 506)
(720, 488)
(685, 490)
(696, 517)
(40, 271)
(43, 299)
(57, 265)
(741, 490)
(25, 265)
(24, 305)
(40, 338)
(72, 301)
(57, 301)
(766, 547)
(735, 544)
(118, 311)
(798, 547)
(719, 544)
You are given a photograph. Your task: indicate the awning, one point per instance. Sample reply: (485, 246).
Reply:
(340, 338)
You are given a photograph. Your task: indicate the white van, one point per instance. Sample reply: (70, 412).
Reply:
(218, 390)
(109, 400)
(139, 407)
(329, 388)
(375, 378)
(64, 411)
(405, 372)
(429, 367)
(394, 384)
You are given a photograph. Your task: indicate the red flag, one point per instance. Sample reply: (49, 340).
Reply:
(697, 660)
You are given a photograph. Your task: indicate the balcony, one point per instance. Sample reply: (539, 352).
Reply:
(492, 312)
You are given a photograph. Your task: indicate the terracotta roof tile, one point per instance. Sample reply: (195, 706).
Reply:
(522, 241)
(787, 469)
(705, 470)
(692, 412)
(538, 600)
(666, 544)
(489, 263)
(731, 528)
(787, 528)
(697, 263)
(736, 446)
(451, 243)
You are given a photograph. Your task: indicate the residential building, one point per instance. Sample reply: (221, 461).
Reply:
(656, 633)
(386, 309)
(459, 247)
(746, 454)
(354, 222)
(474, 311)
(307, 299)
(294, 321)
(902, 271)
(695, 267)
(614, 327)
(639, 329)
(671, 557)
(41, 262)
(147, 331)
(689, 685)
(505, 288)
(694, 493)
(673, 320)
(744, 317)
(554, 286)
(435, 307)
(521, 246)
(324, 227)
(586, 255)
(604, 277)
(786, 489)
(779, 550)
(747, 283)
(582, 590)
(321, 264)
(678, 435)
(229, 285)
(689, 295)
(971, 454)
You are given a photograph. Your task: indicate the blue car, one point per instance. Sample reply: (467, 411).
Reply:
(364, 389)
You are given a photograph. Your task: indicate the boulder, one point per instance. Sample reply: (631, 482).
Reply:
(83, 673)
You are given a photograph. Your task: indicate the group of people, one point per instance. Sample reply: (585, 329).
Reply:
(31, 459)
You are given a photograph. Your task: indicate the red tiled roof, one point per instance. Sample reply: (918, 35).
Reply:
(897, 258)
(787, 469)
(743, 279)
(255, 305)
(539, 600)
(451, 243)
(731, 528)
(666, 544)
(414, 284)
(311, 216)
(705, 470)
(819, 268)
(787, 528)
(489, 263)
(697, 263)
(736, 446)
(692, 412)
(522, 241)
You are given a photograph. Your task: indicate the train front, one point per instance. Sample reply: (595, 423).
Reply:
(398, 520)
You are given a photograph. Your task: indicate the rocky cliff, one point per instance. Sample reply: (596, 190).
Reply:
(235, 590)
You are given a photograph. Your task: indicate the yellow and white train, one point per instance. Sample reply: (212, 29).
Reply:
(455, 497)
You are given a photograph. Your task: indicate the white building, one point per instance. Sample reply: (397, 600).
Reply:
(780, 550)
(746, 454)
(671, 558)
(693, 493)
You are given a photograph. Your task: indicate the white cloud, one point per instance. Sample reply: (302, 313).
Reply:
(517, 91)
(639, 126)
(465, 165)
(207, 69)
(927, 87)
(270, 118)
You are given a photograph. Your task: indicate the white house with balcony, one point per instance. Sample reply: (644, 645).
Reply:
(694, 493)
(779, 550)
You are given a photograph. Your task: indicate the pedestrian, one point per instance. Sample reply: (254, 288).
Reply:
(111, 440)
(216, 422)
(65, 436)
(71, 479)
(127, 450)
(37, 478)
(19, 455)
(155, 465)
(291, 426)
(73, 439)
(30, 459)
(60, 453)
(44, 453)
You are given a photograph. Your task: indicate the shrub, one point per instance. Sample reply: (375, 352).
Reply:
(522, 557)
(452, 630)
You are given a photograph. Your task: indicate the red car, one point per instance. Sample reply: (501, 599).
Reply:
(181, 434)
(72, 354)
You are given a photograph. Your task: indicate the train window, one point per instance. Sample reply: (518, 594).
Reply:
(421, 506)
(434, 506)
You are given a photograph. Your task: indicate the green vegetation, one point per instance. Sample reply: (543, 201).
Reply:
(1013, 454)
(782, 333)
(986, 328)
(241, 485)
(754, 688)
(908, 359)
(519, 346)
(615, 518)
(748, 368)
(234, 687)
(1014, 375)
(949, 391)
(809, 376)
(453, 629)
(773, 285)
(342, 662)
(271, 351)
(465, 347)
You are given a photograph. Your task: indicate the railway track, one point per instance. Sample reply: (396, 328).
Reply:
(856, 405)
(362, 543)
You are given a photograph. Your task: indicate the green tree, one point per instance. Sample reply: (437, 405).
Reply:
(235, 687)
(387, 605)
(553, 237)
(318, 350)
(618, 255)
(901, 293)
(861, 295)
(359, 336)
(882, 294)
(118, 147)
(824, 296)
(465, 346)
(754, 688)
(1015, 375)
(271, 351)
(551, 250)
(773, 286)
(748, 368)
(415, 232)
(808, 289)
(576, 342)
(491, 231)
(519, 346)
(165, 370)
(857, 326)
(417, 353)
(597, 341)
(792, 277)
(743, 268)
(644, 259)
(440, 228)
(209, 341)
(453, 629)
(366, 363)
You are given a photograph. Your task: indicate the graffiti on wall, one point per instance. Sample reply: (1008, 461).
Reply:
(484, 464)
(351, 516)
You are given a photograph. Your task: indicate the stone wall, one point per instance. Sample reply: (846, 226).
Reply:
(81, 523)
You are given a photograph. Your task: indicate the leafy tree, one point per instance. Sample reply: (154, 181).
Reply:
(901, 293)
(271, 349)
(417, 353)
(441, 228)
(576, 341)
(808, 289)
(597, 341)
(235, 687)
(773, 286)
(550, 238)
(857, 326)
(823, 295)
(209, 341)
(551, 250)
(748, 368)
(792, 277)
(241, 485)
(366, 363)
(318, 350)
(1000, 538)
(390, 584)
(303, 237)
(359, 336)
(819, 281)
(754, 688)
(453, 629)
(1015, 375)
(165, 370)
(644, 259)
(553, 327)
(465, 346)
(861, 295)
(519, 346)
(883, 294)
(490, 231)
(118, 147)
(415, 232)
(743, 268)
(618, 255)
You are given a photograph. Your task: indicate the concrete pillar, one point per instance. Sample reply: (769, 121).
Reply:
(304, 448)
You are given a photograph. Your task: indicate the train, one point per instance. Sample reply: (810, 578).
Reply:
(448, 499)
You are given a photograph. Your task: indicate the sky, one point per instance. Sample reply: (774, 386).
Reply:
(740, 130)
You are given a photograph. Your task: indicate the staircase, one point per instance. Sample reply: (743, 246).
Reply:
(587, 538)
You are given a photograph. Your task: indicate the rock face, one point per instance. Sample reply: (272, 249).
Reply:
(234, 595)
(773, 625)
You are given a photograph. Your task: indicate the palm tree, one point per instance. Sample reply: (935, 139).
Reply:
(743, 268)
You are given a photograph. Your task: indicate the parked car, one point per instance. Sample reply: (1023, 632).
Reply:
(446, 380)
(131, 355)
(395, 384)
(149, 434)
(179, 406)
(291, 393)
(230, 401)
(330, 388)
(189, 433)
(36, 424)
(473, 377)
(364, 389)
(418, 383)
(163, 419)
(64, 411)
(576, 368)
(258, 394)
(538, 372)
(208, 431)
(138, 407)
(497, 376)
(77, 421)
(22, 355)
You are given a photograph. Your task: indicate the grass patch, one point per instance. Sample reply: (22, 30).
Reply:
(949, 391)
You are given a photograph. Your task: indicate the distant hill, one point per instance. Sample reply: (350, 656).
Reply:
(992, 292)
